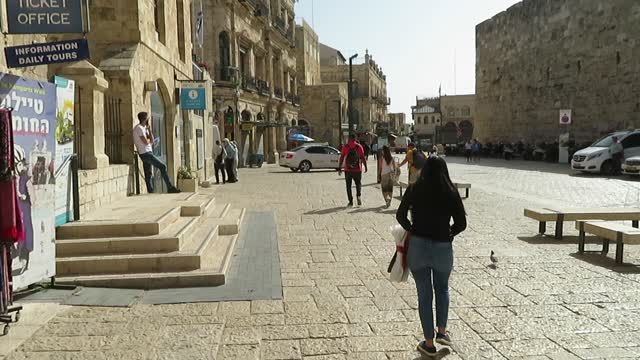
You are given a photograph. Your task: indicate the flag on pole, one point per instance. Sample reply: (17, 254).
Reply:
(200, 26)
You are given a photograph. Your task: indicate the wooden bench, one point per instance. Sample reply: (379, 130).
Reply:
(560, 216)
(608, 231)
(464, 186)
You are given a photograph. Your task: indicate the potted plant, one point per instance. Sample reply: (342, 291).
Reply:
(187, 180)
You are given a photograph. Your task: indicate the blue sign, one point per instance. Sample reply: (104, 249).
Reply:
(193, 96)
(44, 16)
(47, 53)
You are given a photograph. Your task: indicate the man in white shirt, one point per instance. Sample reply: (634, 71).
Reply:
(143, 139)
(617, 154)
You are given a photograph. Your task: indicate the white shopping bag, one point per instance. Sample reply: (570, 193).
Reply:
(398, 268)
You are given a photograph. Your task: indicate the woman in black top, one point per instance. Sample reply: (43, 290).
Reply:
(434, 201)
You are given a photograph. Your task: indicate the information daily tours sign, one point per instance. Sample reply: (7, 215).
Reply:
(47, 53)
(44, 16)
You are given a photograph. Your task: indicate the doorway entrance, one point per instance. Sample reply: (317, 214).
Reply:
(158, 124)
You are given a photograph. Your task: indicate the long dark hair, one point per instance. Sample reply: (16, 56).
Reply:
(434, 182)
(386, 153)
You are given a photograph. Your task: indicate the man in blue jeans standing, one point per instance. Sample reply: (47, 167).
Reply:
(143, 139)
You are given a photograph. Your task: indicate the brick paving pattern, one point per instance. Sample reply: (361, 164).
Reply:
(542, 302)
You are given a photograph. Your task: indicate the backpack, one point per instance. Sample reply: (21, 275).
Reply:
(419, 159)
(353, 160)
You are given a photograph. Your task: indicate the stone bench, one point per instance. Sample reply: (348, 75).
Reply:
(560, 216)
(608, 231)
(465, 186)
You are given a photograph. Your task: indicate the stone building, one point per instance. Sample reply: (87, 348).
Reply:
(140, 50)
(397, 122)
(369, 96)
(426, 119)
(540, 56)
(331, 56)
(446, 119)
(307, 55)
(249, 51)
(458, 113)
(323, 111)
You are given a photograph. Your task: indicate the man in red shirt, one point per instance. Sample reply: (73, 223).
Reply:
(352, 158)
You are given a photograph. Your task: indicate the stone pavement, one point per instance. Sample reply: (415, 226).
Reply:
(542, 302)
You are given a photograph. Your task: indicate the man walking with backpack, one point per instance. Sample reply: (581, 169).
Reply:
(352, 158)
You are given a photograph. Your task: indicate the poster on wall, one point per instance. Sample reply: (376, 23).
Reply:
(34, 124)
(565, 117)
(65, 107)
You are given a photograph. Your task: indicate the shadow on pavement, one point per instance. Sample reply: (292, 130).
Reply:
(607, 262)
(551, 240)
(326, 211)
(302, 173)
(363, 210)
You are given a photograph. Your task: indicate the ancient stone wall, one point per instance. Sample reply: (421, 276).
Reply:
(541, 56)
(324, 108)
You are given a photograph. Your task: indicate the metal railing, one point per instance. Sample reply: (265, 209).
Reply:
(277, 92)
(263, 87)
(279, 23)
(249, 83)
(113, 129)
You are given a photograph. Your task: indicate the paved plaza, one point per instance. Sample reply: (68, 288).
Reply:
(542, 301)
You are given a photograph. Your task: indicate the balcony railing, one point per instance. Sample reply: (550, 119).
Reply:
(228, 73)
(263, 87)
(262, 9)
(278, 23)
(249, 83)
(198, 73)
(277, 92)
(296, 100)
(289, 35)
(250, 2)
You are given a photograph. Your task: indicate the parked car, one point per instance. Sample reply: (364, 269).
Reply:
(631, 166)
(307, 157)
(596, 158)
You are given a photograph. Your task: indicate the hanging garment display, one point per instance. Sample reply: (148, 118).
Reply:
(11, 226)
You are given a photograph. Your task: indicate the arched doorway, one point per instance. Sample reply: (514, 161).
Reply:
(466, 129)
(158, 124)
(246, 115)
(449, 133)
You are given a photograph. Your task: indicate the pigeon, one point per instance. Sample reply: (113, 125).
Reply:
(493, 257)
(494, 260)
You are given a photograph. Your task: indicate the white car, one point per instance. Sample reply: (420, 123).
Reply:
(597, 158)
(307, 157)
(631, 166)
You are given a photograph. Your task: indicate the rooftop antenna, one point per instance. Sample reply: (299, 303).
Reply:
(455, 71)
(313, 18)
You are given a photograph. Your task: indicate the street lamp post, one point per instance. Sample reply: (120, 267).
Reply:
(351, 92)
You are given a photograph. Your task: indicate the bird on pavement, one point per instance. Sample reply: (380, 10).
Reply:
(494, 259)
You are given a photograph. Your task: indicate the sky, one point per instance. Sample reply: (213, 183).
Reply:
(418, 43)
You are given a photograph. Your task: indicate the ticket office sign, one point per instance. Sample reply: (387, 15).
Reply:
(44, 16)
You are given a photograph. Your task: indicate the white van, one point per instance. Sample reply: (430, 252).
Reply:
(597, 158)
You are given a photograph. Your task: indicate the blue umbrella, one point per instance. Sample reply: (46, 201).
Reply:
(300, 138)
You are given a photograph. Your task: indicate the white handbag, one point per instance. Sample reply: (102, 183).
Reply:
(398, 268)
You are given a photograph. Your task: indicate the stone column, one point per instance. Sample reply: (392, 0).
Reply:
(92, 86)
(269, 69)
(281, 138)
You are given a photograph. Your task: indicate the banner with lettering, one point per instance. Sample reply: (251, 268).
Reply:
(65, 114)
(34, 128)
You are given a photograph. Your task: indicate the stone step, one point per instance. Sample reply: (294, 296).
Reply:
(169, 240)
(109, 229)
(186, 259)
(215, 258)
(213, 273)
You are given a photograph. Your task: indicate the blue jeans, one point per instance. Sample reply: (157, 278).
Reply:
(148, 160)
(426, 259)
